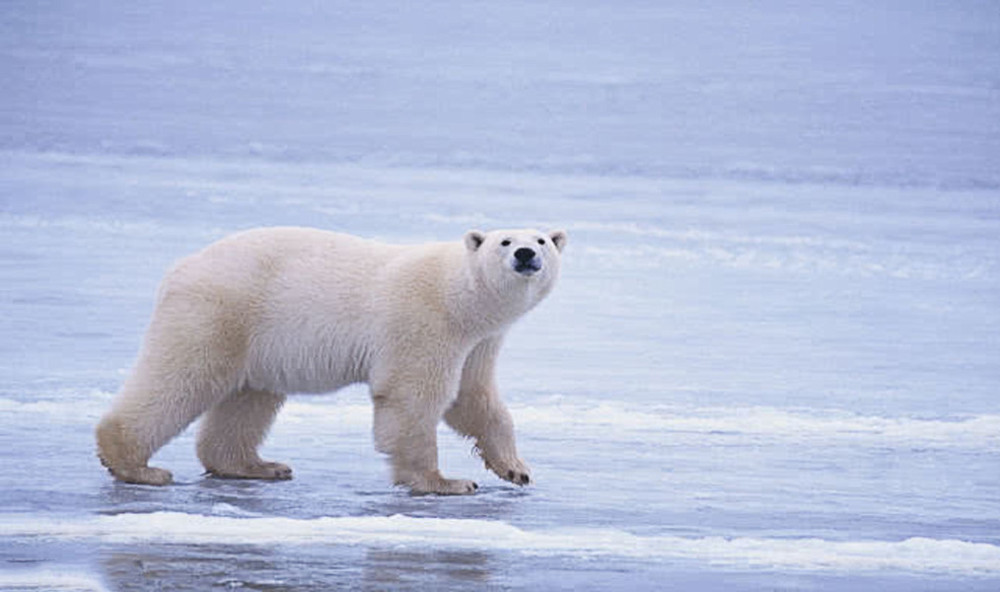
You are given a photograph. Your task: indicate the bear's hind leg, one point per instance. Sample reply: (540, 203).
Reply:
(231, 432)
(125, 456)
(142, 420)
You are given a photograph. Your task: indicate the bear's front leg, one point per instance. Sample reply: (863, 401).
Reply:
(479, 413)
(406, 430)
(485, 418)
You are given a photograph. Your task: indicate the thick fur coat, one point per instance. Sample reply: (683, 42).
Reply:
(273, 311)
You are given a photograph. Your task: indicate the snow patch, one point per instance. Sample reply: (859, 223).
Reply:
(917, 555)
(52, 578)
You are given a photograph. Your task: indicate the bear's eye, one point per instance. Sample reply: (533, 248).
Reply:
(541, 241)
(505, 243)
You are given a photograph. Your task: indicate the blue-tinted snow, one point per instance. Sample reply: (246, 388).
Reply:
(771, 362)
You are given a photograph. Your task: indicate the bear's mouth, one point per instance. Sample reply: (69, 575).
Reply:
(527, 268)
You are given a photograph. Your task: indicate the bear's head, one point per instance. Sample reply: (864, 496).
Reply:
(511, 261)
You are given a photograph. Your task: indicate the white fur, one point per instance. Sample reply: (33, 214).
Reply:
(284, 310)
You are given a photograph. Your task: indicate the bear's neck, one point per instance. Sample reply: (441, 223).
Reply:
(478, 310)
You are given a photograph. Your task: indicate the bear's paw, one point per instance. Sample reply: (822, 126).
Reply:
(270, 471)
(514, 470)
(442, 486)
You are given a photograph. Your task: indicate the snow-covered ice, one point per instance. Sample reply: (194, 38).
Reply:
(771, 362)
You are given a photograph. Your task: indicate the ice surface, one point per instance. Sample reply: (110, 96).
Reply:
(771, 362)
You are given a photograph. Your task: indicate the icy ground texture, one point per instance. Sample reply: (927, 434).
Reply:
(771, 362)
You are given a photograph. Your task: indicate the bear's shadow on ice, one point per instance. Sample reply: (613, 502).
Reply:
(202, 496)
(497, 503)
(308, 498)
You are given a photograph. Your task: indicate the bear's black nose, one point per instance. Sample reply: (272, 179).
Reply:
(524, 255)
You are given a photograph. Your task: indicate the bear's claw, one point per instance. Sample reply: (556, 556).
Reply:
(518, 478)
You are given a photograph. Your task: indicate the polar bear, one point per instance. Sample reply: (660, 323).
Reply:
(272, 311)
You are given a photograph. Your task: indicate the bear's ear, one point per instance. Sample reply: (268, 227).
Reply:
(559, 239)
(474, 239)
